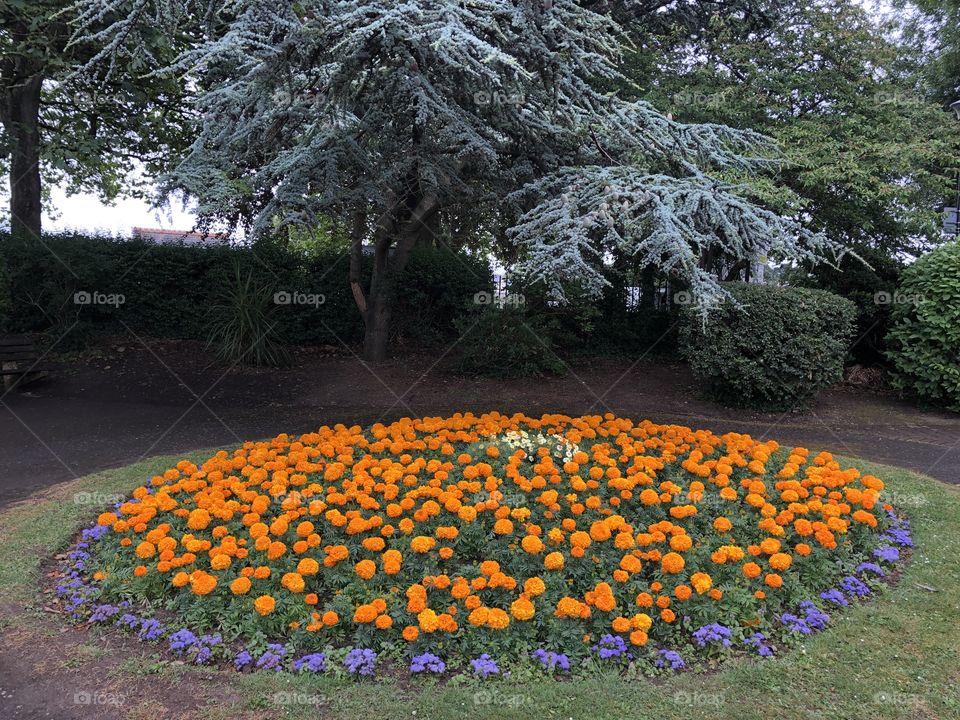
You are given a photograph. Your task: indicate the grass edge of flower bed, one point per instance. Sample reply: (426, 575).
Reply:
(892, 657)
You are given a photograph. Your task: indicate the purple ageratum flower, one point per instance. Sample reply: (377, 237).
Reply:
(899, 536)
(610, 646)
(795, 624)
(203, 650)
(103, 612)
(757, 640)
(150, 629)
(887, 553)
(816, 618)
(714, 632)
(870, 567)
(552, 661)
(128, 621)
(834, 596)
(671, 657)
(182, 640)
(427, 662)
(361, 661)
(484, 666)
(242, 659)
(272, 658)
(854, 586)
(314, 662)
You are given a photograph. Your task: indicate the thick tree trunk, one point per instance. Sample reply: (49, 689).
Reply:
(377, 330)
(648, 287)
(21, 117)
(376, 303)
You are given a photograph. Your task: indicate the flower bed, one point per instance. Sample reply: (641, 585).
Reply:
(474, 543)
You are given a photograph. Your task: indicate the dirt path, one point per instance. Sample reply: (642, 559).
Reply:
(130, 401)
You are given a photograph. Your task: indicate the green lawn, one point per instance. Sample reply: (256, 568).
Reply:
(895, 657)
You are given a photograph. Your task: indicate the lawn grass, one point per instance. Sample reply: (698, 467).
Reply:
(897, 656)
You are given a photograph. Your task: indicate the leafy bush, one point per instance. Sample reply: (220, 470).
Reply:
(925, 339)
(505, 341)
(773, 348)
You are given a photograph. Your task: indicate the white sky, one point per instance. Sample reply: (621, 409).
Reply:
(87, 213)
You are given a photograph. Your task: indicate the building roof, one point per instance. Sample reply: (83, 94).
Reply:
(187, 237)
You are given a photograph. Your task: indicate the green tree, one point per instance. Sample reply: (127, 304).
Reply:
(867, 154)
(81, 132)
(384, 115)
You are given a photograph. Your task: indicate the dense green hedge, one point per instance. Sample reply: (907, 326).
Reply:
(169, 290)
(772, 349)
(925, 339)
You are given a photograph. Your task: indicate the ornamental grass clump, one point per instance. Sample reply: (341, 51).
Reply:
(465, 542)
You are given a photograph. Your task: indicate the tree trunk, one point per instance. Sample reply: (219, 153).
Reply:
(648, 287)
(376, 303)
(377, 330)
(21, 116)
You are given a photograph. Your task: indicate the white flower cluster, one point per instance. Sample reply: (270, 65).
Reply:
(561, 447)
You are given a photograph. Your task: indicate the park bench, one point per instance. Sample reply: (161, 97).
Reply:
(18, 360)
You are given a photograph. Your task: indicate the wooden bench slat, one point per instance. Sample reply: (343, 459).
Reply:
(17, 357)
(23, 371)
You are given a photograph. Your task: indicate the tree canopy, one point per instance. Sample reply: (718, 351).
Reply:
(382, 114)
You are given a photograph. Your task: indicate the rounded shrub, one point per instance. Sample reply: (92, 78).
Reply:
(768, 347)
(925, 339)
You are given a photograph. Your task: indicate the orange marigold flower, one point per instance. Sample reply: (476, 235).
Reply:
(553, 561)
(202, 583)
(672, 563)
(264, 604)
(522, 609)
(722, 524)
(780, 561)
(366, 569)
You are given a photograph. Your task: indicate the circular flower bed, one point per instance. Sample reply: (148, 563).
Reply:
(471, 542)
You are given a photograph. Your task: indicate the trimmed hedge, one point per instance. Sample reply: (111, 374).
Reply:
(773, 349)
(925, 339)
(169, 290)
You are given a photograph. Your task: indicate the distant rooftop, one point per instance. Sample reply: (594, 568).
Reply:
(186, 237)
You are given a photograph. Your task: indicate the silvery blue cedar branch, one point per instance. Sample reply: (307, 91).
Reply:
(347, 107)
